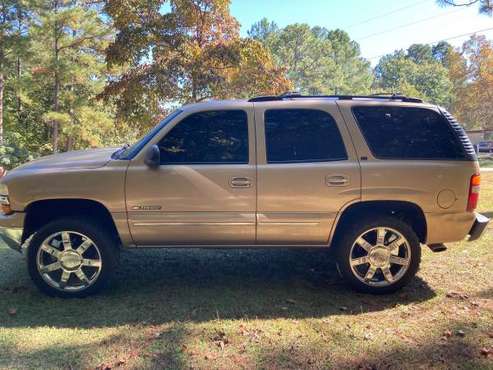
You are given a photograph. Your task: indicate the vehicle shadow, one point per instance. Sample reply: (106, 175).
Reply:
(161, 286)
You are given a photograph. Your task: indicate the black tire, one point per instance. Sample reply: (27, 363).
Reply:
(106, 246)
(347, 237)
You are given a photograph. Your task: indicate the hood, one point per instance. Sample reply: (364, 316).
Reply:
(89, 159)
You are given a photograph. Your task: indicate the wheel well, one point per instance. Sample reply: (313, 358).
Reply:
(41, 212)
(405, 211)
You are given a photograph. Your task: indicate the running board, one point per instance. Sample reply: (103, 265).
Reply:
(437, 247)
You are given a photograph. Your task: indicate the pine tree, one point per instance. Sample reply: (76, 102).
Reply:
(11, 12)
(69, 40)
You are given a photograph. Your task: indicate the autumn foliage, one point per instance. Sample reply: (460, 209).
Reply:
(191, 53)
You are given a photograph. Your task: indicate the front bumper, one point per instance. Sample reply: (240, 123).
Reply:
(478, 227)
(11, 230)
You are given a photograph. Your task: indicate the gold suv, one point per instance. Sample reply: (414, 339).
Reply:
(370, 177)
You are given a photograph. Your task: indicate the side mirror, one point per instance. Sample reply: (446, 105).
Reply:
(153, 157)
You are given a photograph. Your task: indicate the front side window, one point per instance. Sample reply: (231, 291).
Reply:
(407, 133)
(302, 135)
(211, 137)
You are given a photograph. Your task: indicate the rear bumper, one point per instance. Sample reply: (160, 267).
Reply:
(11, 230)
(478, 227)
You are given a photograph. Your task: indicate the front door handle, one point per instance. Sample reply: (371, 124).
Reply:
(240, 182)
(337, 180)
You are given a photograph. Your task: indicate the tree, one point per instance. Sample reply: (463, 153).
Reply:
(317, 60)
(441, 52)
(69, 40)
(485, 6)
(416, 73)
(420, 53)
(472, 73)
(11, 34)
(191, 53)
(262, 30)
(352, 74)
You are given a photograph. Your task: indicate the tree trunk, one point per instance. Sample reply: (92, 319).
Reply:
(2, 85)
(56, 103)
(19, 70)
(56, 106)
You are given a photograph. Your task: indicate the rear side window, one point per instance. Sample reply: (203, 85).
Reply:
(212, 137)
(302, 135)
(407, 133)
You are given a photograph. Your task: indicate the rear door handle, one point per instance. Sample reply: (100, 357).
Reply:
(337, 180)
(240, 182)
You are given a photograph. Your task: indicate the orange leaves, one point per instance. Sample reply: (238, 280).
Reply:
(471, 71)
(191, 52)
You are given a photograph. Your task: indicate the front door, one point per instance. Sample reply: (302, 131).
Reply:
(204, 191)
(307, 171)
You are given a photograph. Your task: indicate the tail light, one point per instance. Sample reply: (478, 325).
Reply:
(472, 201)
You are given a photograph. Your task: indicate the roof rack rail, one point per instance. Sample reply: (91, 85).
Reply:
(296, 95)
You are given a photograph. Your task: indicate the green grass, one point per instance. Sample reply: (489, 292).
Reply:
(271, 309)
(486, 161)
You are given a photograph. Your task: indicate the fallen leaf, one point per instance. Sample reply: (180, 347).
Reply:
(457, 295)
(486, 351)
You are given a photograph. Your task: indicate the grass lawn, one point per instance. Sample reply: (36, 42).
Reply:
(486, 161)
(245, 309)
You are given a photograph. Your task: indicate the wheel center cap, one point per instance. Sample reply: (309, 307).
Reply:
(379, 256)
(71, 260)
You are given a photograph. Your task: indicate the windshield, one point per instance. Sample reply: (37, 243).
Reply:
(129, 151)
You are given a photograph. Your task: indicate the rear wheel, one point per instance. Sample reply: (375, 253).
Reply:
(379, 255)
(71, 258)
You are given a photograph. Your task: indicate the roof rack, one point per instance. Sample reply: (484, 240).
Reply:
(296, 95)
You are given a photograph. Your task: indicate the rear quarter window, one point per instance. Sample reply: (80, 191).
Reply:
(408, 133)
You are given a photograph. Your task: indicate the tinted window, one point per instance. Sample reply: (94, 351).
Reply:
(207, 137)
(407, 133)
(302, 135)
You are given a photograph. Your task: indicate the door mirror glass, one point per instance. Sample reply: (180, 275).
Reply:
(153, 157)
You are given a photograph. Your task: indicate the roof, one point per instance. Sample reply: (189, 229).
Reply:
(242, 103)
(295, 95)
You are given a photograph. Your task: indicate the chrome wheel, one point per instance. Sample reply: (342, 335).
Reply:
(380, 256)
(69, 261)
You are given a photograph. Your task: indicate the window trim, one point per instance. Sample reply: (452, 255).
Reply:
(211, 163)
(302, 161)
(370, 147)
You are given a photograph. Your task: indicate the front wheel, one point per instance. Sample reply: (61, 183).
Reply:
(71, 258)
(378, 255)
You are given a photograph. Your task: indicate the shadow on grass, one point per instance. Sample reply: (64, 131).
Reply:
(166, 286)
(439, 352)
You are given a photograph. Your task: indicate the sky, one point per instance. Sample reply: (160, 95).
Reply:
(379, 26)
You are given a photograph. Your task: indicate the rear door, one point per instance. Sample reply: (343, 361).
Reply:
(307, 171)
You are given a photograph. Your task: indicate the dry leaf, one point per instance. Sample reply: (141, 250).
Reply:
(486, 351)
